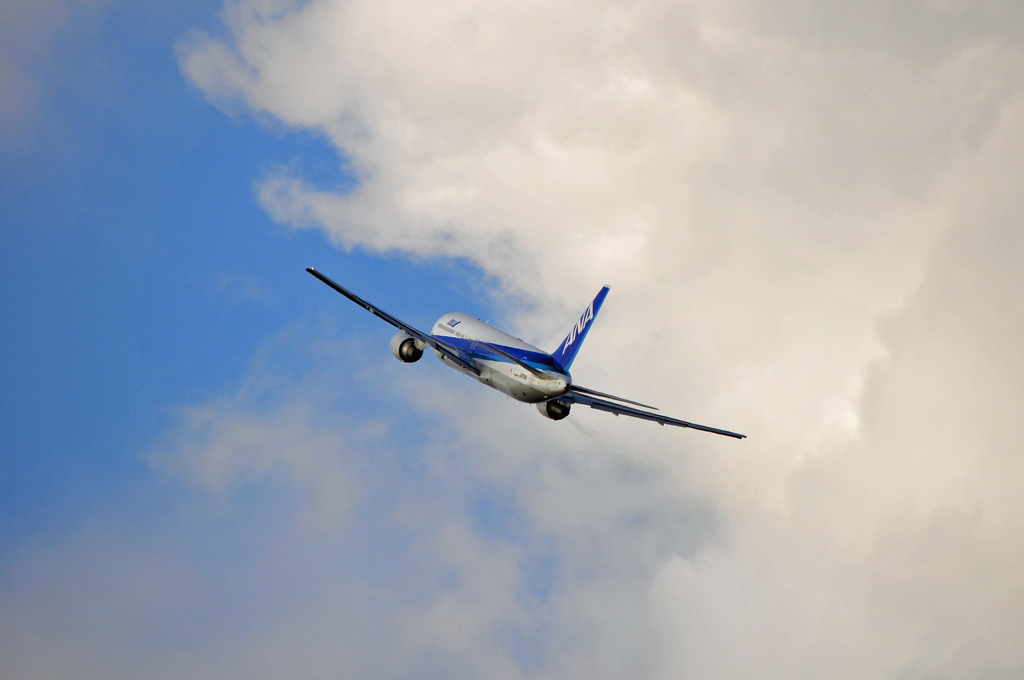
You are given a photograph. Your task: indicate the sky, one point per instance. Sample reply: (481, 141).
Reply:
(809, 215)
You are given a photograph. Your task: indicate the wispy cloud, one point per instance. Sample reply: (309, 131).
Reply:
(402, 545)
(29, 33)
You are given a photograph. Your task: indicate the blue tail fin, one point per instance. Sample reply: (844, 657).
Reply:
(566, 352)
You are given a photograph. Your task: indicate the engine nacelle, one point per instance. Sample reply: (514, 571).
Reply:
(406, 348)
(554, 409)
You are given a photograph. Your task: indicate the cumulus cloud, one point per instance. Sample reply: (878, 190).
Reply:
(809, 215)
(776, 193)
(779, 195)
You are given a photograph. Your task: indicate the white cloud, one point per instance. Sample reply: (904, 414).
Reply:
(778, 197)
(809, 215)
(450, 557)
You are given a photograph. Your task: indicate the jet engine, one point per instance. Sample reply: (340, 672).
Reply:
(554, 409)
(406, 348)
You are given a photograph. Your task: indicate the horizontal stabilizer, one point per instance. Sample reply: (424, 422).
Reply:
(574, 397)
(595, 393)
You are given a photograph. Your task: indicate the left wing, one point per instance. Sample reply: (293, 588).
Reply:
(444, 348)
(575, 396)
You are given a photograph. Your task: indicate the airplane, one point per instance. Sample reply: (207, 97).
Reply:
(512, 366)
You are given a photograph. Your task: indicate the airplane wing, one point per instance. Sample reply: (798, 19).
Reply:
(444, 348)
(577, 396)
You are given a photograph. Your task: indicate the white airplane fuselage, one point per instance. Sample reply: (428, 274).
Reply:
(470, 335)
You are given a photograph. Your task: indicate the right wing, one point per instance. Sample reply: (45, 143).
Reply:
(576, 395)
(448, 351)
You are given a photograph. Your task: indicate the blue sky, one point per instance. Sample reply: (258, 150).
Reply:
(139, 273)
(210, 465)
(140, 276)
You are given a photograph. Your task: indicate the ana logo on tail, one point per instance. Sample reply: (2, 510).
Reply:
(566, 352)
(580, 325)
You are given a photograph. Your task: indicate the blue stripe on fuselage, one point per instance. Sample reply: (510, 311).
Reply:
(477, 350)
